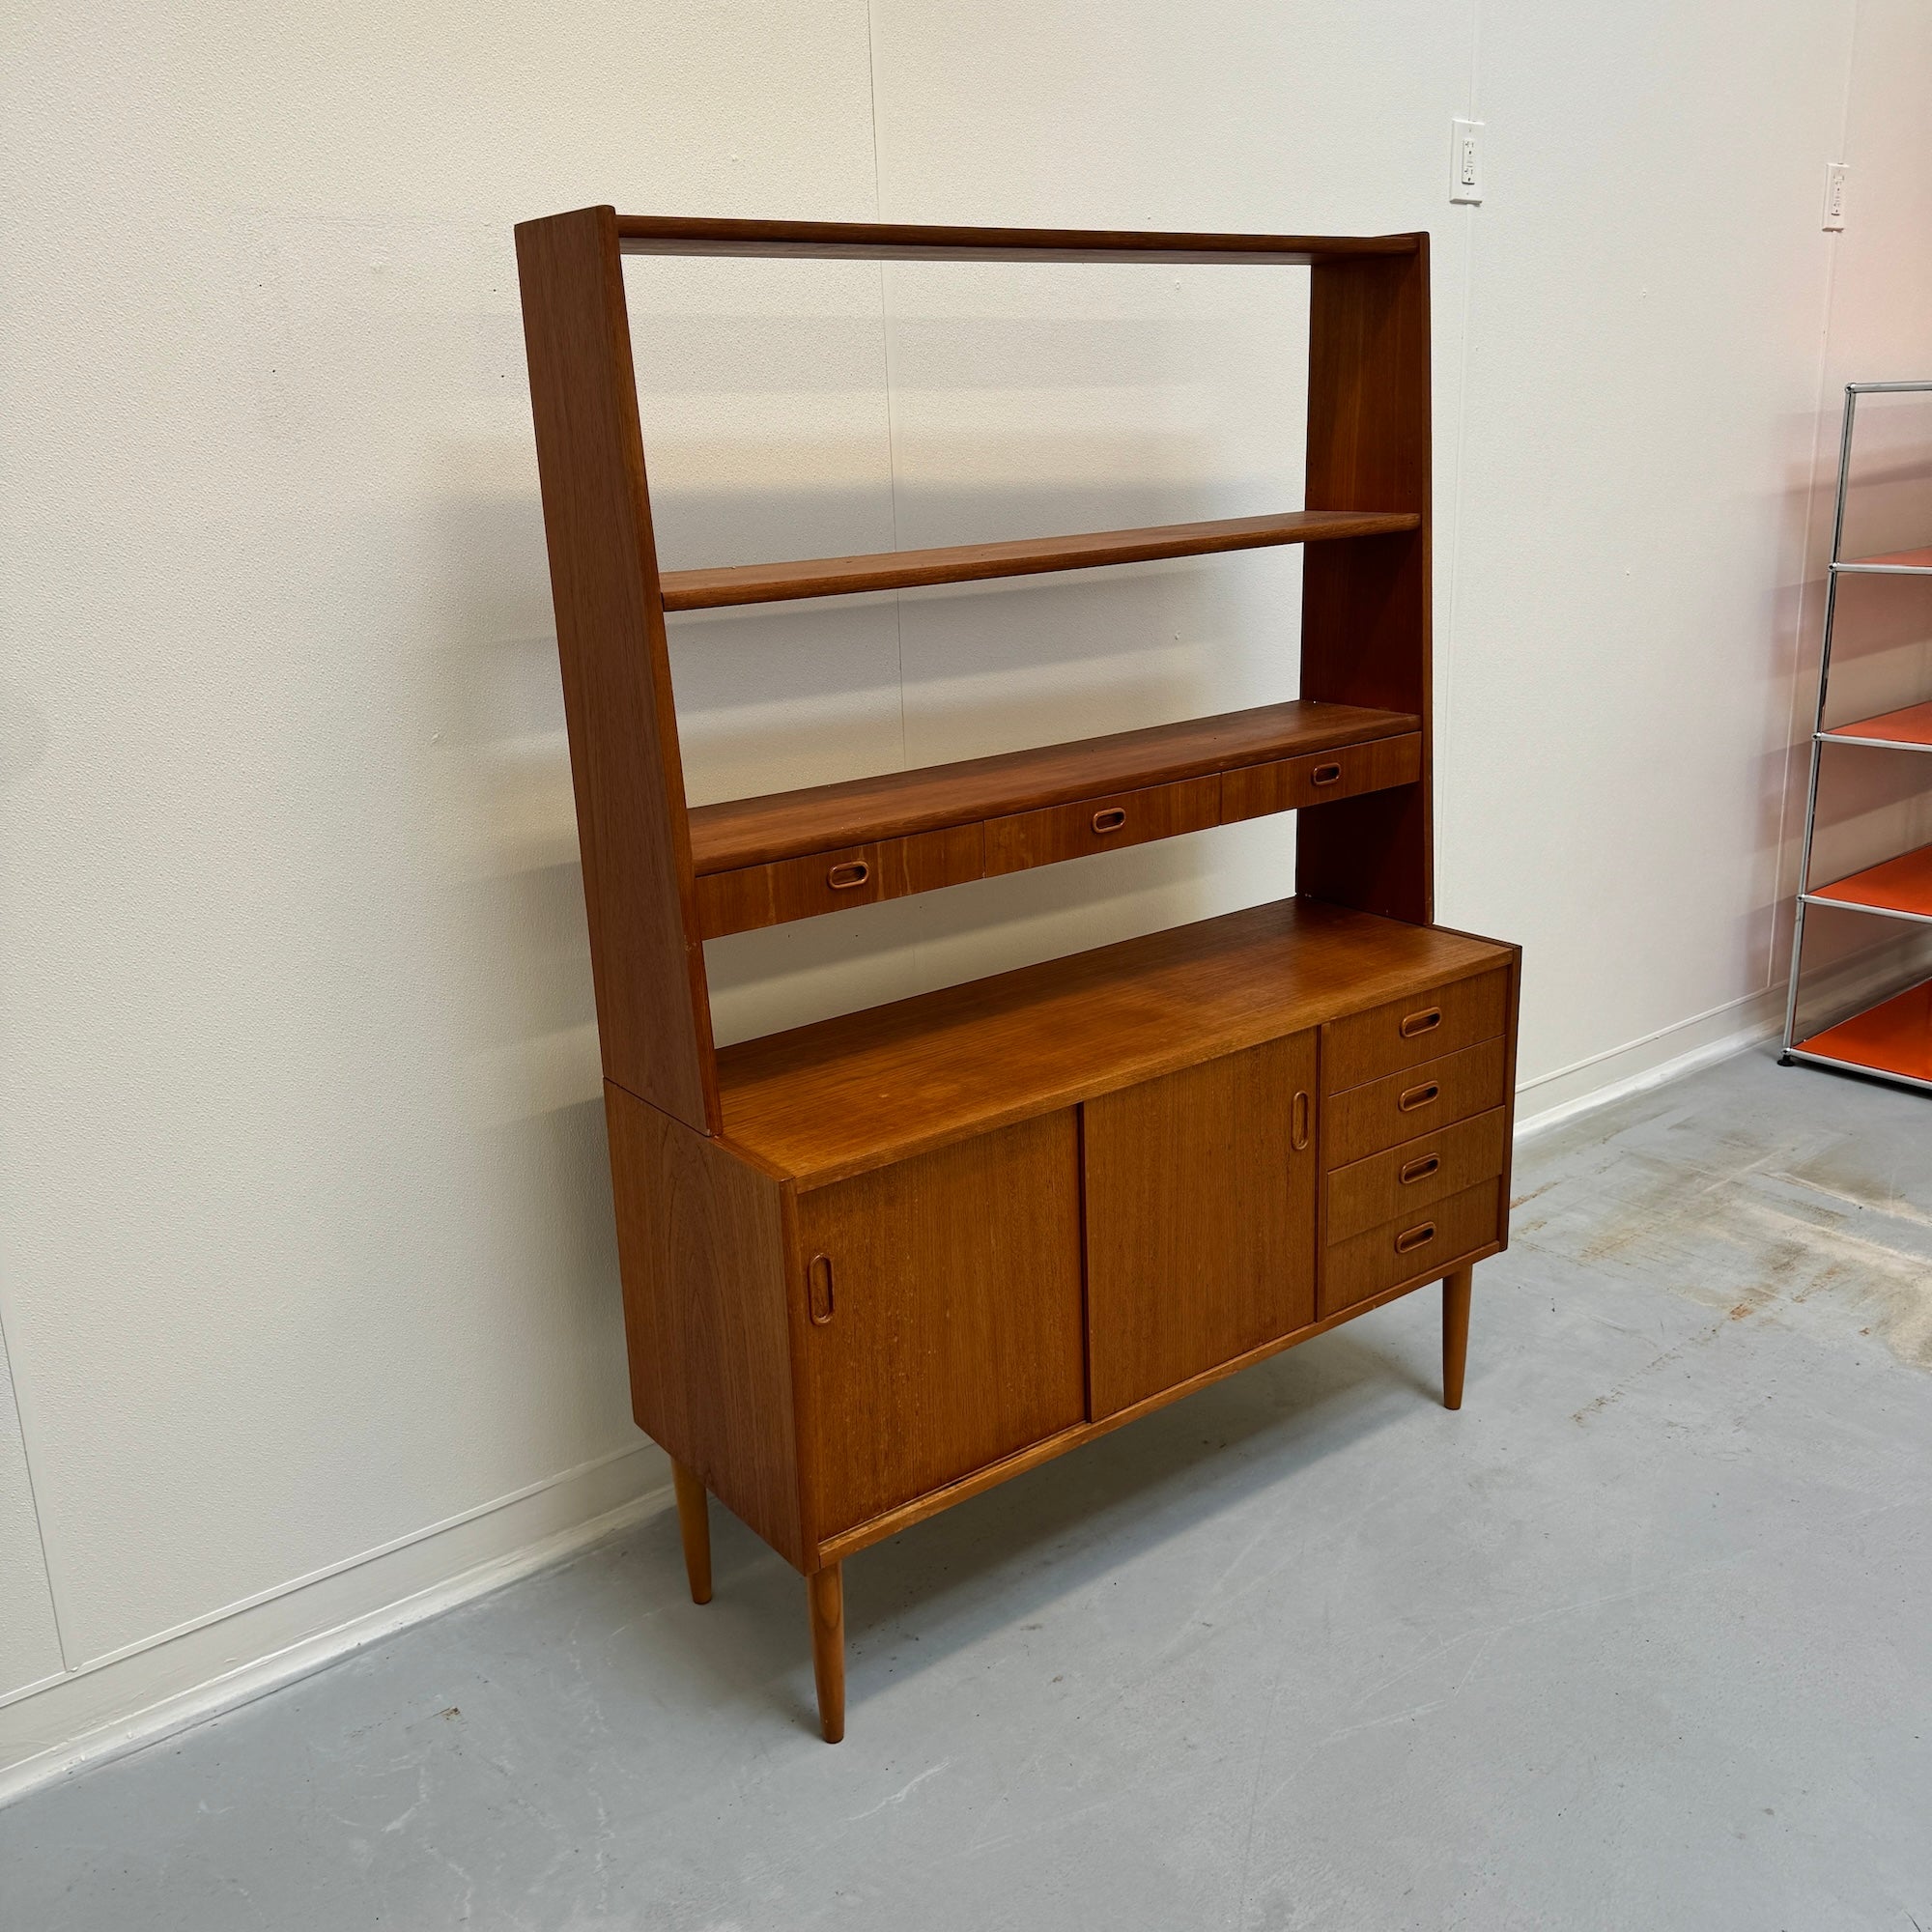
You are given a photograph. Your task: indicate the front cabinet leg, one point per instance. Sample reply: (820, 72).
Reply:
(694, 1525)
(825, 1595)
(1455, 1334)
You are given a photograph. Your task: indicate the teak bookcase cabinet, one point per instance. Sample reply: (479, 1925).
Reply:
(874, 1265)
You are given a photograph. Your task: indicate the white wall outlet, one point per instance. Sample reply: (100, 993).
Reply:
(1466, 161)
(1834, 194)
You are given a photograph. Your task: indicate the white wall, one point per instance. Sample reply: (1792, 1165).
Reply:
(308, 1286)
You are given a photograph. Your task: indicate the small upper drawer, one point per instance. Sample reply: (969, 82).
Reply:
(789, 889)
(1423, 1026)
(1415, 1175)
(1098, 824)
(1290, 783)
(1387, 1112)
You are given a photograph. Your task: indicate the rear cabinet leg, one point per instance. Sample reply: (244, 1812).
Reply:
(825, 1594)
(1455, 1334)
(694, 1524)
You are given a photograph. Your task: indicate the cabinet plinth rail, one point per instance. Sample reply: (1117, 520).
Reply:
(756, 831)
(967, 563)
(904, 241)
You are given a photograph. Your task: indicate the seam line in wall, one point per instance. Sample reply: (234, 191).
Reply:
(886, 356)
(7, 1358)
(240, 1606)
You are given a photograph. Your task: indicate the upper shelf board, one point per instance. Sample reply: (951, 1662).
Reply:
(968, 563)
(1910, 730)
(902, 241)
(1890, 563)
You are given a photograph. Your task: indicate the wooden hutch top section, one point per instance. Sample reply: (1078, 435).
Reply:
(1351, 754)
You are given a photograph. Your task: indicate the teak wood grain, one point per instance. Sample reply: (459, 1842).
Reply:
(845, 1094)
(947, 1333)
(1026, 556)
(904, 241)
(1365, 622)
(792, 889)
(1435, 1094)
(646, 954)
(702, 1248)
(1320, 777)
(1415, 1248)
(1200, 1218)
(1426, 1023)
(824, 818)
(1404, 1179)
(1100, 824)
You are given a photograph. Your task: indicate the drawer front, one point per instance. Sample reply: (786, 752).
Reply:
(1290, 783)
(1423, 1026)
(1099, 824)
(1399, 1185)
(1387, 1112)
(1418, 1247)
(791, 889)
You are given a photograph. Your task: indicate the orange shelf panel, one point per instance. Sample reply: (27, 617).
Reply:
(1891, 559)
(1899, 885)
(1911, 727)
(1894, 1038)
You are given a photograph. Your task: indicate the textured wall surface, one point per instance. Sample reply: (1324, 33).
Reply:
(307, 1245)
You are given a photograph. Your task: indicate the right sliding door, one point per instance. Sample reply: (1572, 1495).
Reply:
(1200, 1202)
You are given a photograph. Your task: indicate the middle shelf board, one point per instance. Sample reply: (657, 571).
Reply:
(1900, 888)
(830, 1100)
(1910, 730)
(969, 563)
(766, 861)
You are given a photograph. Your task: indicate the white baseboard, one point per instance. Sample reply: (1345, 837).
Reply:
(1668, 1054)
(108, 1709)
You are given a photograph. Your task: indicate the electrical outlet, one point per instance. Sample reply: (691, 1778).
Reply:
(1466, 161)
(1834, 194)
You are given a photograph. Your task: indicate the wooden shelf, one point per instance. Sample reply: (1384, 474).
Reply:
(827, 1102)
(971, 563)
(1891, 563)
(1893, 1038)
(1901, 887)
(1910, 730)
(825, 818)
(902, 241)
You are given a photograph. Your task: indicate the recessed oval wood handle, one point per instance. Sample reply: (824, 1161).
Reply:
(1420, 1168)
(1418, 1096)
(1302, 1121)
(819, 1279)
(1415, 1238)
(1325, 774)
(1109, 820)
(850, 872)
(1417, 1024)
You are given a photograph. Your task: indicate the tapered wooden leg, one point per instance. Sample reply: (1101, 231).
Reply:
(1455, 1335)
(694, 1524)
(825, 1592)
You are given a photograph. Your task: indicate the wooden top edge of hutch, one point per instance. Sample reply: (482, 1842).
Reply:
(906, 241)
(822, 1102)
(824, 818)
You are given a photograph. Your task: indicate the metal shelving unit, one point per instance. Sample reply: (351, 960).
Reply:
(1892, 1040)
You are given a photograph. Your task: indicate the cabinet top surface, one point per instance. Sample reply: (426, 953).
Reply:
(825, 1102)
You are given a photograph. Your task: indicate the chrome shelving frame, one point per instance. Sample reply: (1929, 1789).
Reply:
(1843, 567)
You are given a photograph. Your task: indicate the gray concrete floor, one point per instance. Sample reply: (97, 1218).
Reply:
(1642, 1638)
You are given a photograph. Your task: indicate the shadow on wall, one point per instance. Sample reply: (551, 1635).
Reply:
(809, 692)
